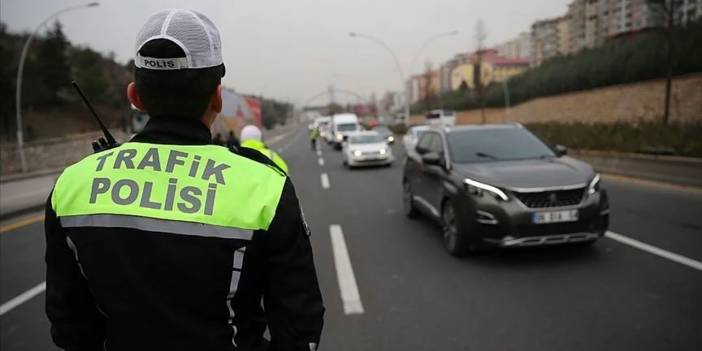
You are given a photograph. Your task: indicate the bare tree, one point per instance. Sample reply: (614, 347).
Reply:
(480, 36)
(668, 15)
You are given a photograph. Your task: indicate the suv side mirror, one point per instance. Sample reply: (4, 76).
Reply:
(432, 158)
(560, 150)
(420, 150)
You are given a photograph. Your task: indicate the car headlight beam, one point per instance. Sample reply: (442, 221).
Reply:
(594, 185)
(486, 187)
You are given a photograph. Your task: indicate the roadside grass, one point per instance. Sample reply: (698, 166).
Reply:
(642, 137)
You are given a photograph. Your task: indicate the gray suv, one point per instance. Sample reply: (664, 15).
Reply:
(500, 185)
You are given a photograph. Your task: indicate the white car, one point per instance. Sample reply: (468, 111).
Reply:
(366, 149)
(410, 139)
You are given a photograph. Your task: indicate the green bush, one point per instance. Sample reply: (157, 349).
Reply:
(647, 137)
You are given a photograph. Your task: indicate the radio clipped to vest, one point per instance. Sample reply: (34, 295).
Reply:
(103, 143)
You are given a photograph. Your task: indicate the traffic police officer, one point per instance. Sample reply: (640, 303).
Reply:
(251, 138)
(168, 242)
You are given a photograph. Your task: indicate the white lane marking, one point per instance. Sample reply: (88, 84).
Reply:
(325, 181)
(22, 298)
(320, 161)
(344, 272)
(319, 151)
(655, 250)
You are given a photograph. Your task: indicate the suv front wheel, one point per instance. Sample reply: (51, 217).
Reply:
(455, 238)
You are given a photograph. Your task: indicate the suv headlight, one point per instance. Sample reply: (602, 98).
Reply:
(477, 188)
(357, 153)
(594, 185)
(383, 151)
(339, 137)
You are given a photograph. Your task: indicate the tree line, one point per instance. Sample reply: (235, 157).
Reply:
(633, 58)
(50, 105)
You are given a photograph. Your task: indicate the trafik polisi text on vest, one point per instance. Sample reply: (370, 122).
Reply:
(190, 199)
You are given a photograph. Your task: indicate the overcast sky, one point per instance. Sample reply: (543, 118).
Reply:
(293, 49)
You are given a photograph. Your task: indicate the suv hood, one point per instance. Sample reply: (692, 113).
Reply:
(533, 173)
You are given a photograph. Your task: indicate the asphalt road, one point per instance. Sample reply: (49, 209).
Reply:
(414, 296)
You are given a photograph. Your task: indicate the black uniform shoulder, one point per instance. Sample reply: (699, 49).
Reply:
(255, 155)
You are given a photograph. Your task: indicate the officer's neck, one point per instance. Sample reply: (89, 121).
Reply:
(178, 131)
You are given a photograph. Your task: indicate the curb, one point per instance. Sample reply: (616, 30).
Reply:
(34, 174)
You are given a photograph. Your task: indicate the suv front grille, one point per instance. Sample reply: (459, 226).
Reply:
(555, 198)
(555, 228)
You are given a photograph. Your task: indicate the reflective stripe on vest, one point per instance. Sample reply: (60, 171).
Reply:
(203, 190)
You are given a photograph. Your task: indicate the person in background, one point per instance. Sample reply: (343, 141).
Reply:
(218, 140)
(232, 141)
(251, 138)
(314, 135)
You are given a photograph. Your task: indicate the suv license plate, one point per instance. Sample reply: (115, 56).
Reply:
(555, 216)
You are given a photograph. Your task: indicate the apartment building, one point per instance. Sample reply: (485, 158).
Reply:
(592, 22)
(492, 68)
(516, 48)
(549, 38)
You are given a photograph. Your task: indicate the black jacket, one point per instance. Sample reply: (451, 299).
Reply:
(126, 289)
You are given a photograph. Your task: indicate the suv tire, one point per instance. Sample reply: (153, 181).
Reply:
(455, 238)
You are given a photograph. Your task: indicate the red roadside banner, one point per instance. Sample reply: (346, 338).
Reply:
(255, 107)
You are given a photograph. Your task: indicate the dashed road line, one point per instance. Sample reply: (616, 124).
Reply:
(655, 250)
(344, 272)
(319, 152)
(22, 298)
(320, 161)
(325, 181)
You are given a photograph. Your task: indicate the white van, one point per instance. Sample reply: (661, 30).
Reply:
(441, 118)
(343, 124)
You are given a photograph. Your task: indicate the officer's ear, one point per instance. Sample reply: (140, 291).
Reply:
(216, 100)
(134, 98)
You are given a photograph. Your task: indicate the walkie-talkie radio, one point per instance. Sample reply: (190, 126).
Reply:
(103, 143)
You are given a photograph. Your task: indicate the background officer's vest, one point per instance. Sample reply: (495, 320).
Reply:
(203, 190)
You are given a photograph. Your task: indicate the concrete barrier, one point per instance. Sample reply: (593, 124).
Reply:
(49, 154)
(669, 169)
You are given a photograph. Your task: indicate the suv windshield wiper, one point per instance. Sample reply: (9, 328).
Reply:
(484, 155)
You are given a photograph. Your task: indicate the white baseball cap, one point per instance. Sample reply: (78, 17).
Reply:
(194, 33)
(250, 132)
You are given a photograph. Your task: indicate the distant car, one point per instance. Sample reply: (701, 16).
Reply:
(386, 133)
(499, 185)
(409, 141)
(323, 124)
(366, 148)
(441, 118)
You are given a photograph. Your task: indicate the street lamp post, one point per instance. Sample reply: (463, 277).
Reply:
(405, 84)
(20, 71)
(397, 64)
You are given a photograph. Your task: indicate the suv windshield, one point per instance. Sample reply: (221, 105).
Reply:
(365, 139)
(479, 145)
(346, 127)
